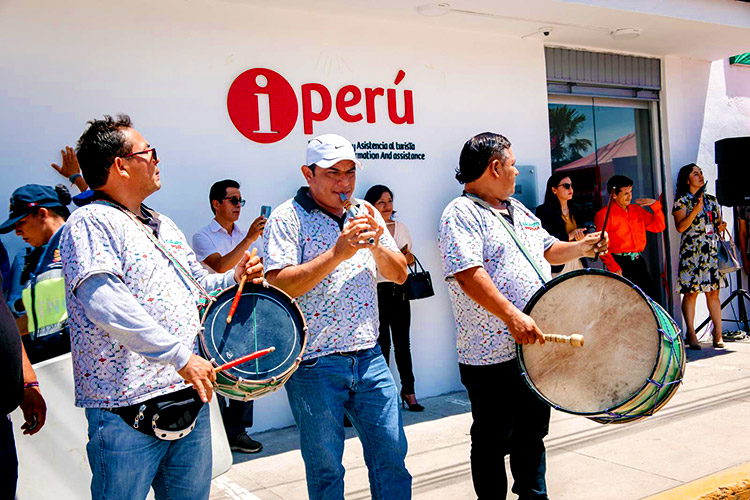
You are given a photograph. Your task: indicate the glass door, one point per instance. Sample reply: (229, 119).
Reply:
(593, 139)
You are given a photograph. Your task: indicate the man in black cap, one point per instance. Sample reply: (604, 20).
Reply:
(37, 214)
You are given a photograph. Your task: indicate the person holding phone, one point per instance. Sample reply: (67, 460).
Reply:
(220, 246)
(697, 217)
(562, 218)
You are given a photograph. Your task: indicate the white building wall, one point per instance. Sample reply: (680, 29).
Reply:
(702, 103)
(169, 65)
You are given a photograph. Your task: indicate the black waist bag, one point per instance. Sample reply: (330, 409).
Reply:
(168, 417)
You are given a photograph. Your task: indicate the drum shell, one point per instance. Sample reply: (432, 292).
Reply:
(288, 329)
(646, 395)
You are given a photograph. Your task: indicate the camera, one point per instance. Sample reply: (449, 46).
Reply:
(546, 30)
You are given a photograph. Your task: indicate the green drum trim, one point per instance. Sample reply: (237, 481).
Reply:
(665, 377)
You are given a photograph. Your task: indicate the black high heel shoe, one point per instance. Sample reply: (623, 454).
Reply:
(410, 406)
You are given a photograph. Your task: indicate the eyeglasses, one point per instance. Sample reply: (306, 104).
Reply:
(566, 185)
(235, 201)
(149, 150)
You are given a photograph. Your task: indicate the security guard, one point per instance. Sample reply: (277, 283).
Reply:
(37, 296)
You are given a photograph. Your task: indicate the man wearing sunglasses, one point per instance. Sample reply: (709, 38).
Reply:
(220, 246)
(132, 285)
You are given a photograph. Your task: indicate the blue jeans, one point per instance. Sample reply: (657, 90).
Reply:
(125, 463)
(509, 419)
(359, 385)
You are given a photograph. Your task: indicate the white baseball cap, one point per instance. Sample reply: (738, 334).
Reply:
(328, 149)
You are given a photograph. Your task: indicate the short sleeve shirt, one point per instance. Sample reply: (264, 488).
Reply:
(341, 311)
(213, 238)
(102, 239)
(471, 235)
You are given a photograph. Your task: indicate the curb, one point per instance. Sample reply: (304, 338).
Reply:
(694, 490)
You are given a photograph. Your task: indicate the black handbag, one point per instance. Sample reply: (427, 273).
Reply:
(418, 284)
(167, 417)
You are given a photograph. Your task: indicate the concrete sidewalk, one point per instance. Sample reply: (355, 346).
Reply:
(702, 431)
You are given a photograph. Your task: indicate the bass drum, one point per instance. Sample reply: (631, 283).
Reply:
(632, 360)
(265, 317)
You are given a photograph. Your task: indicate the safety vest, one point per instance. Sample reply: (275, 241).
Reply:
(44, 294)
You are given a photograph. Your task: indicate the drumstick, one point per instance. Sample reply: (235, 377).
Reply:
(606, 219)
(237, 295)
(575, 340)
(350, 209)
(244, 359)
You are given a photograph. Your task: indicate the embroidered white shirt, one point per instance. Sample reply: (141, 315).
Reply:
(102, 239)
(341, 311)
(470, 236)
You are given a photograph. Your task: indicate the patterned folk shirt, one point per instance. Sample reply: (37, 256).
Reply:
(341, 311)
(101, 238)
(471, 235)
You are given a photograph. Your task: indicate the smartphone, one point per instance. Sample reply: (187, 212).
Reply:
(265, 211)
(701, 190)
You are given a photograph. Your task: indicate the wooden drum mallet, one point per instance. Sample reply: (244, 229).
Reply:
(574, 340)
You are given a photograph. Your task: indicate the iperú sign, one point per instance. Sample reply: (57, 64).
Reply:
(264, 106)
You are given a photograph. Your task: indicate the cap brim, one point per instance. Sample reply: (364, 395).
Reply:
(10, 224)
(325, 163)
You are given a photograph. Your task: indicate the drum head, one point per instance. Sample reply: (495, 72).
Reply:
(264, 317)
(621, 342)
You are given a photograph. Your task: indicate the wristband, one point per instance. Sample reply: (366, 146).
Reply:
(73, 178)
(30, 384)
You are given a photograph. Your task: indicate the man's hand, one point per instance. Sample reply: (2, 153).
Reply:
(34, 410)
(70, 164)
(576, 234)
(645, 202)
(524, 329)
(256, 229)
(356, 235)
(199, 373)
(251, 265)
(591, 246)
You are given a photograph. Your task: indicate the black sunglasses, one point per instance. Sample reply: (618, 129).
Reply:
(566, 185)
(235, 201)
(149, 150)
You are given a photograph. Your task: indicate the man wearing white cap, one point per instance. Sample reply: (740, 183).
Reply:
(328, 259)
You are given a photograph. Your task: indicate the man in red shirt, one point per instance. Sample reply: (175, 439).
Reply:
(627, 228)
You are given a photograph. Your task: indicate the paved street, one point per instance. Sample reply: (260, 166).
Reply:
(703, 430)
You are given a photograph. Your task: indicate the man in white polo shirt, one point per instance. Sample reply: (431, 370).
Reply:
(328, 260)
(219, 246)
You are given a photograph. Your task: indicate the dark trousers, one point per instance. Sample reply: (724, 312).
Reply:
(395, 317)
(8, 460)
(509, 419)
(637, 272)
(237, 415)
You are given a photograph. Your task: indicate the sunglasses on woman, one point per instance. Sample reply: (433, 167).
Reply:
(566, 185)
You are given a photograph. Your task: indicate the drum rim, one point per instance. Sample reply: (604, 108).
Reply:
(535, 298)
(253, 287)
